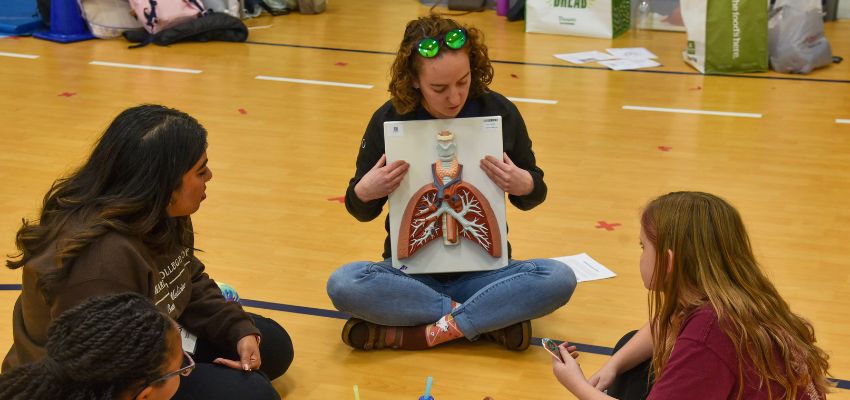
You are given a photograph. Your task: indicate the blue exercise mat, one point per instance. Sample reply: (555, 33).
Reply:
(19, 17)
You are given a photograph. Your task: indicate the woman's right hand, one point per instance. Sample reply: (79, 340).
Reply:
(604, 377)
(381, 180)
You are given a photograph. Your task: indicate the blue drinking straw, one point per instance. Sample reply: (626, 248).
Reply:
(428, 387)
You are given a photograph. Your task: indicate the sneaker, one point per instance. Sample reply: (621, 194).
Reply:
(515, 337)
(442, 331)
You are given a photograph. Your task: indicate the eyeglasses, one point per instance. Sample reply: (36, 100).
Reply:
(453, 39)
(185, 369)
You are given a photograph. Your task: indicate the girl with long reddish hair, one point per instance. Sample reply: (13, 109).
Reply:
(718, 328)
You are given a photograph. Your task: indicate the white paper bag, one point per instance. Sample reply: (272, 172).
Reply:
(593, 18)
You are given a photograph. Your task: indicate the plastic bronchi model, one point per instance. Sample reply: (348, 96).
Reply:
(449, 208)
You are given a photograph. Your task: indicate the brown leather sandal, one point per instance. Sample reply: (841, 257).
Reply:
(364, 335)
(515, 337)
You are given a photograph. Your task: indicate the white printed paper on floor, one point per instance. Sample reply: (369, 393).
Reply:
(586, 268)
(584, 57)
(640, 53)
(621, 65)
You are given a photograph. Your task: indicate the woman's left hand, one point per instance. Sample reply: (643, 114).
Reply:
(507, 176)
(248, 349)
(569, 373)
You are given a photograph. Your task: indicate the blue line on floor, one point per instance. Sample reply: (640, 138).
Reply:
(584, 348)
(320, 312)
(645, 71)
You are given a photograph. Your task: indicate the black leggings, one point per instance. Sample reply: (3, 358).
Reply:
(633, 384)
(212, 381)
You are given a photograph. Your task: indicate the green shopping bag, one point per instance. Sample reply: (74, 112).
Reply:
(726, 36)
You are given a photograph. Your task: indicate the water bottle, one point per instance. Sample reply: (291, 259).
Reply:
(644, 16)
(502, 7)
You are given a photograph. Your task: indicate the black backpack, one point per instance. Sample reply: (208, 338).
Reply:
(211, 26)
(44, 11)
(517, 11)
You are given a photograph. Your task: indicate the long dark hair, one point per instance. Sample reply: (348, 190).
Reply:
(125, 186)
(100, 349)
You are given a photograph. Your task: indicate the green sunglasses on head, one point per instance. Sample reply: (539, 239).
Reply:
(453, 39)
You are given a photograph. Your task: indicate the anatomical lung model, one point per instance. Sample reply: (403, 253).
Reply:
(449, 208)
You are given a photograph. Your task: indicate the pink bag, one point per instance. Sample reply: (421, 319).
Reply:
(157, 15)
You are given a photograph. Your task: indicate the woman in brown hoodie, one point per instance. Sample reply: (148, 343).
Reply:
(121, 223)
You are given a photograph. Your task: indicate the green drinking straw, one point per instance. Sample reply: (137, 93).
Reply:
(356, 393)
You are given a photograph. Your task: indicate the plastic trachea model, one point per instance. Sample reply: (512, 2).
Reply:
(449, 208)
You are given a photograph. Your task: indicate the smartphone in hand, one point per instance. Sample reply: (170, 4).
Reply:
(552, 348)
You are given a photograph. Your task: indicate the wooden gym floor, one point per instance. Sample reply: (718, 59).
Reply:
(282, 154)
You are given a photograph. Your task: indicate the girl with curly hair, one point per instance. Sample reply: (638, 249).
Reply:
(108, 347)
(442, 71)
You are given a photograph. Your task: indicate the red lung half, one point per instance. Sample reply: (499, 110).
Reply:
(419, 227)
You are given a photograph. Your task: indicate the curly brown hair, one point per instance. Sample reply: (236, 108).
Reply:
(407, 62)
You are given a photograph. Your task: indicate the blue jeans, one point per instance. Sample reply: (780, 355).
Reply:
(379, 293)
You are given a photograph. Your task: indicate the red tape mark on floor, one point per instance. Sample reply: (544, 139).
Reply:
(607, 226)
